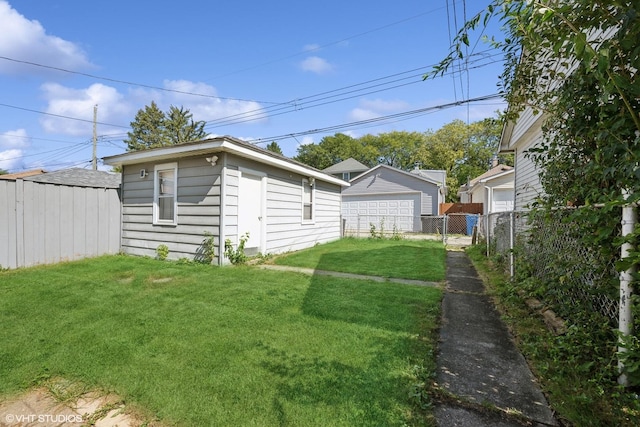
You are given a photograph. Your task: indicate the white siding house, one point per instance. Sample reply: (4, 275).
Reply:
(226, 187)
(518, 137)
(390, 198)
(494, 189)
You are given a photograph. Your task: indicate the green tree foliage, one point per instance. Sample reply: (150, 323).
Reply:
(3, 172)
(334, 149)
(575, 62)
(153, 128)
(464, 151)
(274, 148)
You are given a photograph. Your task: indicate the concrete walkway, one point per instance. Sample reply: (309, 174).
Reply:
(311, 271)
(479, 367)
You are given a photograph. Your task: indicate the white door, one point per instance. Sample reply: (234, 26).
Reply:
(250, 210)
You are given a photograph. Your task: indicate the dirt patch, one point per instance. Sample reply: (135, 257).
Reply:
(39, 408)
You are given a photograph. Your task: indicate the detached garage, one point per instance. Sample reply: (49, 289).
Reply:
(389, 198)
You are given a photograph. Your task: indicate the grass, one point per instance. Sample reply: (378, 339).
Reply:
(199, 345)
(576, 369)
(407, 259)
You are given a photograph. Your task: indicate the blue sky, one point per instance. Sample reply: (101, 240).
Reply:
(289, 71)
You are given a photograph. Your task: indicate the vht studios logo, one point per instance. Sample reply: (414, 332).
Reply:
(43, 418)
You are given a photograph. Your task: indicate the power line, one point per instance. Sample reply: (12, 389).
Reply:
(343, 126)
(60, 116)
(109, 79)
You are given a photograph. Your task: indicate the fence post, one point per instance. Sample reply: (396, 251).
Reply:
(445, 228)
(625, 317)
(488, 232)
(512, 242)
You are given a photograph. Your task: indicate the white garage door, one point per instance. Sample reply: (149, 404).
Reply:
(502, 201)
(384, 212)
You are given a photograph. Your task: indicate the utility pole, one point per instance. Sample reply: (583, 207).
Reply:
(94, 160)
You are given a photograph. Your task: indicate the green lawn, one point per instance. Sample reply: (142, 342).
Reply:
(407, 259)
(200, 345)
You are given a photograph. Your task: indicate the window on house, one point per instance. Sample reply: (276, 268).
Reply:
(346, 176)
(165, 190)
(307, 200)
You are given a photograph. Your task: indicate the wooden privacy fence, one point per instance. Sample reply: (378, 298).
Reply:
(43, 223)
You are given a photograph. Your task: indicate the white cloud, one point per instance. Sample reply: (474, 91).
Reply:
(209, 107)
(27, 40)
(12, 144)
(317, 65)
(120, 109)
(373, 108)
(79, 103)
(14, 139)
(10, 159)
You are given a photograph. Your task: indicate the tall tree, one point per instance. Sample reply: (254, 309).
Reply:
(179, 126)
(334, 149)
(274, 148)
(153, 128)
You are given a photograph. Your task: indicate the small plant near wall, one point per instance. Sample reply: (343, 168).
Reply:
(209, 248)
(162, 252)
(396, 235)
(236, 256)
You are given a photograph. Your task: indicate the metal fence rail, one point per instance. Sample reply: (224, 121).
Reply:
(576, 275)
(441, 226)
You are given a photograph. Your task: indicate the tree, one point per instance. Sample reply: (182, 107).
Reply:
(153, 128)
(179, 126)
(464, 151)
(334, 149)
(396, 149)
(575, 61)
(3, 172)
(274, 148)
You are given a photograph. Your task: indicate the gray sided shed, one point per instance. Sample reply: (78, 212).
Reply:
(395, 197)
(225, 187)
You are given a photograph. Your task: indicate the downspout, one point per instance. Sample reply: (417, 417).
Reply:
(625, 317)
(223, 201)
(488, 217)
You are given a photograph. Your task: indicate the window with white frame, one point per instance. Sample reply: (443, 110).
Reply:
(307, 199)
(164, 194)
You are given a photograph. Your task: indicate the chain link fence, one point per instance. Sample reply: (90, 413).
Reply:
(571, 276)
(442, 227)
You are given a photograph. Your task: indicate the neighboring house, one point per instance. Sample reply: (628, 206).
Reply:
(78, 177)
(20, 175)
(517, 137)
(388, 197)
(346, 169)
(494, 189)
(225, 187)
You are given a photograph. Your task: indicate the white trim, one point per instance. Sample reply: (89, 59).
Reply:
(312, 193)
(223, 144)
(263, 205)
(156, 194)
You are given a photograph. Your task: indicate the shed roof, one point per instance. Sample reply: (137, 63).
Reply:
(348, 165)
(225, 144)
(79, 177)
(400, 171)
